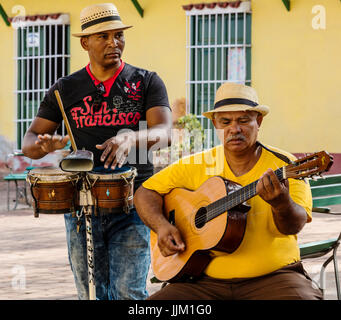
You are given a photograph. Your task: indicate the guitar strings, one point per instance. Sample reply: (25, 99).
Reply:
(237, 197)
(224, 204)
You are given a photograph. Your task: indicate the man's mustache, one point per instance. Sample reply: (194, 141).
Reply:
(238, 136)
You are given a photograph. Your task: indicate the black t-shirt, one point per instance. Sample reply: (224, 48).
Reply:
(129, 94)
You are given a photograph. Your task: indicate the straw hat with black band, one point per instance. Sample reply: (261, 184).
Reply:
(236, 97)
(98, 18)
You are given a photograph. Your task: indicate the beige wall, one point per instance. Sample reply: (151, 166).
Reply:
(295, 68)
(7, 85)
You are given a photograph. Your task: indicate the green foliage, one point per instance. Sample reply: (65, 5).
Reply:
(189, 122)
(188, 138)
(193, 131)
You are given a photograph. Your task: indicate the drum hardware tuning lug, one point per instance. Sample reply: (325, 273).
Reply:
(92, 185)
(35, 181)
(96, 211)
(126, 207)
(125, 179)
(79, 221)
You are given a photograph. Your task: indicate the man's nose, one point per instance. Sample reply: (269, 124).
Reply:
(113, 42)
(235, 127)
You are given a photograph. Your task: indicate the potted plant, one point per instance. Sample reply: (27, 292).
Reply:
(187, 138)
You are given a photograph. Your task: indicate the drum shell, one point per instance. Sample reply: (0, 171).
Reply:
(53, 191)
(61, 197)
(113, 192)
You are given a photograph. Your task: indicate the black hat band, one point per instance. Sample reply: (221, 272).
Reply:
(229, 101)
(99, 20)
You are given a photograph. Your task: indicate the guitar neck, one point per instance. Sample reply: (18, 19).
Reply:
(236, 198)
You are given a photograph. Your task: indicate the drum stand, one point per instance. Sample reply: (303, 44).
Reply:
(85, 200)
(81, 160)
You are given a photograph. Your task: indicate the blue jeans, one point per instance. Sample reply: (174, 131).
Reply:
(122, 256)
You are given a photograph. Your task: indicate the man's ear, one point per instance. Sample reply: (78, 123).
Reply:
(214, 121)
(259, 119)
(84, 43)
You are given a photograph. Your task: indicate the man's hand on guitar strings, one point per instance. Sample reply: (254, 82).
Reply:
(273, 191)
(170, 241)
(289, 217)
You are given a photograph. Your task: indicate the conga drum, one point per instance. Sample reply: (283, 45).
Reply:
(112, 190)
(53, 190)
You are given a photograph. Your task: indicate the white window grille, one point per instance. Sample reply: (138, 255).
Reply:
(218, 50)
(42, 56)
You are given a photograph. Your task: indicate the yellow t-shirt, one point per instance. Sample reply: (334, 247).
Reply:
(263, 248)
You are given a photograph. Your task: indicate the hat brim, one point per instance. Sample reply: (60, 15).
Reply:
(104, 27)
(264, 110)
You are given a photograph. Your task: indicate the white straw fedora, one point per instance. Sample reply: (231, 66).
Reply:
(236, 97)
(98, 18)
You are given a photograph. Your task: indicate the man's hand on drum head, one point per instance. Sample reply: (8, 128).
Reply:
(49, 143)
(116, 149)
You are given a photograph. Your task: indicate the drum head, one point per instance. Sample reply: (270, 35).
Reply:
(48, 174)
(109, 174)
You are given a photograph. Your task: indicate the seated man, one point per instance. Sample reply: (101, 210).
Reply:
(266, 264)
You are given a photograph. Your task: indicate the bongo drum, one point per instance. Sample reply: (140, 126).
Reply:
(53, 190)
(112, 190)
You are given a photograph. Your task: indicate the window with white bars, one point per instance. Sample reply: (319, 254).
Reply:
(42, 56)
(218, 50)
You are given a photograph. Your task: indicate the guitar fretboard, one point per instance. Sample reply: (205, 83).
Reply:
(235, 198)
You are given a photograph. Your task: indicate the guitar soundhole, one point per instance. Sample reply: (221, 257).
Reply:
(201, 218)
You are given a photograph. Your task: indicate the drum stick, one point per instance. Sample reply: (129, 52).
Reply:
(61, 107)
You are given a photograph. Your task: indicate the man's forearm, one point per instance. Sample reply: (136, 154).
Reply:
(149, 206)
(30, 149)
(289, 218)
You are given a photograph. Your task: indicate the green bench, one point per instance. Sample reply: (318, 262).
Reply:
(325, 192)
(20, 191)
(16, 177)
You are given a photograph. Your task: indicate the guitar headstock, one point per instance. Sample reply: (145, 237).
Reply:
(310, 166)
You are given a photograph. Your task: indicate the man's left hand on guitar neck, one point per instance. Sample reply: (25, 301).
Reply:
(289, 217)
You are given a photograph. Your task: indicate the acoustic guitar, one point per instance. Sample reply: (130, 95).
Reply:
(213, 217)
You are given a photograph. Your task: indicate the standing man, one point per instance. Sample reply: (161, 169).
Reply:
(99, 100)
(266, 265)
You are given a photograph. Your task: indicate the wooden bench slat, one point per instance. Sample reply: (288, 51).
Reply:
(16, 176)
(316, 246)
(334, 189)
(332, 179)
(327, 201)
(326, 192)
